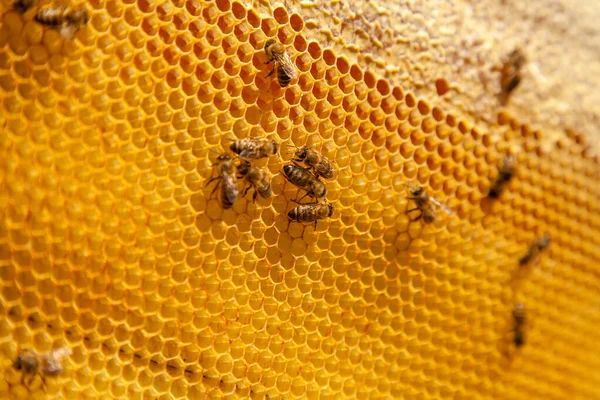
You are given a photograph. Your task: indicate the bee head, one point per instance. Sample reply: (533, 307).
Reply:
(224, 157)
(243, 168)
(26, 360)
(416, 191)
(302, 152)
(18, 364)
(517, 57)
(269, 43)
(275, 146)
(330, 206)
(519, 310)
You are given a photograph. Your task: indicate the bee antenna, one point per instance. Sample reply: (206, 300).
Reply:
(214, 151)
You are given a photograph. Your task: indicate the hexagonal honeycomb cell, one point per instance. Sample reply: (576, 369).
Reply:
(111, 245)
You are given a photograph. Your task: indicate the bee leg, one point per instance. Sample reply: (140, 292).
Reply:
(246, 190)
(270, 73)
(269, 61)
(415, 209)
(213, 191)
(255, 195)
(315, 225)
(32, 378)
(211, 180)
(298, 201)
(23, 378)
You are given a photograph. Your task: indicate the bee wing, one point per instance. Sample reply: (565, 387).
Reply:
(251, 152)
(230, 183)
(285, 62)
(60, 353)
(442, 206)
(68, 31)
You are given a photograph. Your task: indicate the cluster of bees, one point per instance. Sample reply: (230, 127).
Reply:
(307, 179)
(304, 177)
(65, 19)
(248, 150)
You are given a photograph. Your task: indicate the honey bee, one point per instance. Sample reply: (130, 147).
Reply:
(303, 179)
(425, 204)
(257, 178)
(67, 20)
(22, 6)
(519, 324)
(535, 249)
(283, 64)
(320, 165)
(507, 171)
(227, 181)
(510, 75)
(253, 149)
(45, 364)
(311, 212)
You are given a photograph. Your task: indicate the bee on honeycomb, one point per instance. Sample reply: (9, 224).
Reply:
(535, 249)
(226, 181)
(67, 20)
(425, 204)
(46, 364)
(320, 165)
(286, 71)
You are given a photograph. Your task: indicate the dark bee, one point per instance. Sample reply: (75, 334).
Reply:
(283, 64)
(510, 75)
(69, 21)
(519, 325)
(227, 181)
(425, 204)
(507, 171)
(22, 6)
(257, 178)
(311, 212)
(303, 179)
(253, 149)
(46, 364)
(535, 249)
(320, 165)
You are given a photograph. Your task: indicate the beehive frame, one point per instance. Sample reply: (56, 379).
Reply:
(109, 243)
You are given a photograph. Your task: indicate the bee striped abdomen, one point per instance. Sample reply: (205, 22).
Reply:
(282, 77)
(50, 17)
(265, 189)
(303, 214)
(229, 191)
(311, 212)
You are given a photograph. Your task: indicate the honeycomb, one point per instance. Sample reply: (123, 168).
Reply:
(111, 245)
